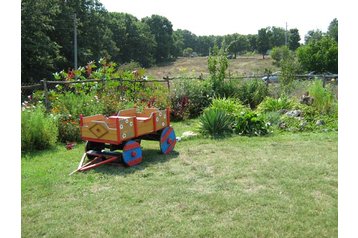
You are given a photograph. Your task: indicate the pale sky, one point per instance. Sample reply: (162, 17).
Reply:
(223, 17)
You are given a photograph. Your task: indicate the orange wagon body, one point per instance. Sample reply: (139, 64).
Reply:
(128, 124)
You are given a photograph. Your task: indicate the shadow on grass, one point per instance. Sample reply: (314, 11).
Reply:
(150, 157)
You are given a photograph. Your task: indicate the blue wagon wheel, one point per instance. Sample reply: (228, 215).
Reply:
(132, 153)
(167, 140)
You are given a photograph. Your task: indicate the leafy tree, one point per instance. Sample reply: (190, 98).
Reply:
(313, 35)
(178, 44)
(277, 36)
(162, 29)
(319, 55)
(333, 29)
(217, 65)
(294, 39)
(39, 53)
(263, 41)
(279, 54)
(134, 39)
(238, 45)
(187, 52)
(252, 42)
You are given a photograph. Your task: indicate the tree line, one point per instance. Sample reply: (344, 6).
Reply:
(47, 38)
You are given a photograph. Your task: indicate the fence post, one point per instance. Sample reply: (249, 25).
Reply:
(324, 81)
(168, 84)
(122, 90)
(47, 105)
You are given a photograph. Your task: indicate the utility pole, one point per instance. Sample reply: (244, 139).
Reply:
(286, 35)
(75, 40)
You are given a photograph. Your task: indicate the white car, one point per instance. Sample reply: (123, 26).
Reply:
(272, 78)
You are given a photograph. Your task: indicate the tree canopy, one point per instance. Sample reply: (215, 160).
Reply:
(47, 38)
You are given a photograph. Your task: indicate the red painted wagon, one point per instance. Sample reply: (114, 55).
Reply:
(106, 135)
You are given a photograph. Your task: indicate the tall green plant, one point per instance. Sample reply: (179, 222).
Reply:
(252, 93)
(38, 130)
(324, 100)
(216, 122)
(217, 65)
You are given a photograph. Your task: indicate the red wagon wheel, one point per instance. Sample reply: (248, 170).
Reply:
(167, 140)
(132, 153)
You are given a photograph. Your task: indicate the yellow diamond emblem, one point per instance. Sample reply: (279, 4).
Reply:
(98, 130)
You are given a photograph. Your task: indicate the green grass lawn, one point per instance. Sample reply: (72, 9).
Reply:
(282, 185)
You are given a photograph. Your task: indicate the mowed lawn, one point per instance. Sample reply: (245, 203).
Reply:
(282, 185)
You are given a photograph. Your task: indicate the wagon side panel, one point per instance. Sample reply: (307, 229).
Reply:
(127, 128)
(99, 131)
(161, 120)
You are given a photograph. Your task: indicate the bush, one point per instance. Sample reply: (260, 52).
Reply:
(76, 104)
(251, 124)
(252, 93)
(190, 97)
(270, 104)
(229, 105)
(38, 130)
(324, 100)
(69, 129)
(279, 54)
(226, 89)
(216, 122)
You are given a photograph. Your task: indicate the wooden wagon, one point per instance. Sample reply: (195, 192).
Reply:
(125, 132)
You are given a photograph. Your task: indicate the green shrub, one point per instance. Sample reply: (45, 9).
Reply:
(190, 97)
(230, 105)
(38, 130)
(270, 104)
(251, 124)
(272, 118)
(226, 89)
(252, 93)
(324, 100)
(215, 122)
(76, 104)
(69, 129)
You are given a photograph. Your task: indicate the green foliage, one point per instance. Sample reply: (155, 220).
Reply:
(190, 97)
(251, 124)
(263, 41)
(238, 45)
(252, 93)
(313, 35)
(38, 130)
(217, 65)
(187, 52)
(230, 105)
(133, 37)
(162, 29)
(319, 55)
(324, 100)
(294, 39)
(68, 126)
(76, 104)
(279, 54)
(216, 122)
(333, 29)
(290, 67)
(270, 104)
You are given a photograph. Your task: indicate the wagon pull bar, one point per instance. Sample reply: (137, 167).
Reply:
(84, 168)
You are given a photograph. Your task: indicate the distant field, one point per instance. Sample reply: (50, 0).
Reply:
(193, 67)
